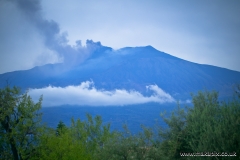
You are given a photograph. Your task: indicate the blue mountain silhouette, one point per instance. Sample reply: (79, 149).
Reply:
(129, 68)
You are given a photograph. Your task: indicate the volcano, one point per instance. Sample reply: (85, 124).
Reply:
(130, 68)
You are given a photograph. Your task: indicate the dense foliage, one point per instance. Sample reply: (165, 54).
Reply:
(20, 127)
(208, 126)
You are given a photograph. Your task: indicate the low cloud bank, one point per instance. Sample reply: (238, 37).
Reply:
(87, 94)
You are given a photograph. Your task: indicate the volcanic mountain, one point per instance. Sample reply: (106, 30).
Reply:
(130, 68)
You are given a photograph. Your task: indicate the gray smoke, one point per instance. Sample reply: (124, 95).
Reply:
(28, 39)
(53, 38)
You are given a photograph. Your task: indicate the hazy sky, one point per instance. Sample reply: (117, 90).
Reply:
(34, 32)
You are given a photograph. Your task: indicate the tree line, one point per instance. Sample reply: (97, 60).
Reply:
(209, 127)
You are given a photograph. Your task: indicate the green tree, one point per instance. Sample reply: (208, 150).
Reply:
(91, 132)
(172, 140)
(20, 126)
(63, 146)
(61, 128)
(125, 145)
(213, 125)
(207, 126)
(79, 141)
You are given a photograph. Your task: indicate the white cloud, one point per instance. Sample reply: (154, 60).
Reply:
(187, 101)
(87, 94)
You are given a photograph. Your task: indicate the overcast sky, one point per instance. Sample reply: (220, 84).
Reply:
(34, 32)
